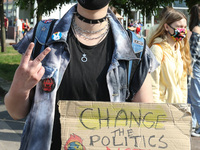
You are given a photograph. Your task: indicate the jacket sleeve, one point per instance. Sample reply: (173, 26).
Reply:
(23, 44)
(194, 47)
(147, 64)
(155, 75)
(153, 63)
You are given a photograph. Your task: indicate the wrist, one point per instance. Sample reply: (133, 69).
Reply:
(19, 92)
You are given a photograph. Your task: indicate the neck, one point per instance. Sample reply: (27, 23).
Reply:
(94, 15)
(91, 14)
(171, 42)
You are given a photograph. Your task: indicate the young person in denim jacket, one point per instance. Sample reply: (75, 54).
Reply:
(86, 59)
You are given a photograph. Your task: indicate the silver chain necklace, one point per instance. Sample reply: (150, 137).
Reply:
(83, 34)
(84, 55)
(77, 28)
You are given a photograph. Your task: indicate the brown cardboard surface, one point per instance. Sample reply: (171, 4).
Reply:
(124, 126)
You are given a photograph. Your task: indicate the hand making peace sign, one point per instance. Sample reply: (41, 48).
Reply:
(29, 72)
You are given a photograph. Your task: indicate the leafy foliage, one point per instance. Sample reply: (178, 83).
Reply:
(146, 6)
(191, 3)
(44, 6)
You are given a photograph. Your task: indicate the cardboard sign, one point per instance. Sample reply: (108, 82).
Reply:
(124, 126)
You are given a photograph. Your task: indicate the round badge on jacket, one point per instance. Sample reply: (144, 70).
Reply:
(56, 36)
(48, 84)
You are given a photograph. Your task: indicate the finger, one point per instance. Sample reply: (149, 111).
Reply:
(37, 67)
(41, 72)
(41, 56)
(27, 55)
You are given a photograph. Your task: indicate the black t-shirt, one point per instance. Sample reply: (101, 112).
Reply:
(84, 80)
(87, 80)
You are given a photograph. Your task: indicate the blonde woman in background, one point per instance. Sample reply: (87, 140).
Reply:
(170, 45)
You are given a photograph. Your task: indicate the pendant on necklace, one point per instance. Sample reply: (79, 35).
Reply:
(84, 58)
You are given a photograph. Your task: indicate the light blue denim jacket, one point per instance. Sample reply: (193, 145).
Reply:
(39, 123)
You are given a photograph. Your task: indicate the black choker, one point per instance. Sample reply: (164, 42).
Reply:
(90, 21)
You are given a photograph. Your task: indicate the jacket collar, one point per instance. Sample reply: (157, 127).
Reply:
(62, 26)
(123, 45)
(123, 48)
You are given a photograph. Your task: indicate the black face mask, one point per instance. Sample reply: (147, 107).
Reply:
(93, 4)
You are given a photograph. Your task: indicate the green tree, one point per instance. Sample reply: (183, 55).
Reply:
(191, 3)
(44, 6)
(146, 6)
(3, 33)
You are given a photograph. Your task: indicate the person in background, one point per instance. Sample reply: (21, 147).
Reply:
(6, 24)
(138, 29)
(86, 59)
(141, 25)
(25, 26)
(131, 27)
(170, 45)
(135, 24)
(153, 29)
(18, 29)
(194, 84)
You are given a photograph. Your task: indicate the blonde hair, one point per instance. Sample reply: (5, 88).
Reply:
(170, 17)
